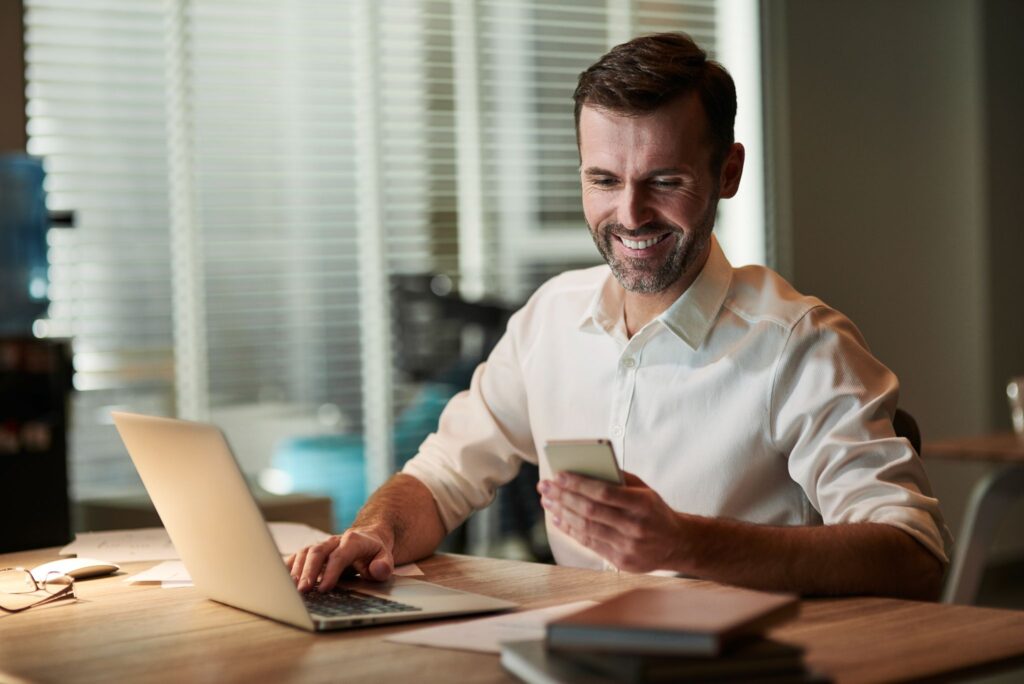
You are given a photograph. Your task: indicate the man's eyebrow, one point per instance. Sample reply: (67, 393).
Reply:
(669, 171)
(666, 171)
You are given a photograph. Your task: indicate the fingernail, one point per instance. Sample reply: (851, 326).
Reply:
(545, 502)
(563, 479)
(555, 519)
(544, 487)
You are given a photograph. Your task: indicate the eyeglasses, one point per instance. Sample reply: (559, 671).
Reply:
(19, 590)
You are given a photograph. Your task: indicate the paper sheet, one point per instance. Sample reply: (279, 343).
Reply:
(168, 573)
(486, 635)
(153, 544)
(172, 574)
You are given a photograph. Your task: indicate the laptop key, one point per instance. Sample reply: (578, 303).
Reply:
(346, 602)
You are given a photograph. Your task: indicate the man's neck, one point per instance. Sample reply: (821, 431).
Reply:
(640, 309)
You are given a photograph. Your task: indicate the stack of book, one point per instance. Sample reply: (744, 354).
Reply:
(666, 635)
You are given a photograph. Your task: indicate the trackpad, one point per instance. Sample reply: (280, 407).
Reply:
(416, 589)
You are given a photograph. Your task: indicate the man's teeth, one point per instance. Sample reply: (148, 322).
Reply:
(641, 244)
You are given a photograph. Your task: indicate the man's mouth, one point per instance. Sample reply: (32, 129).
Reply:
(642, 244)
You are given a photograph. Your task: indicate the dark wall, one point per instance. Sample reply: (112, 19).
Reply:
(885, 219)
(900, 197)
(1003, 24)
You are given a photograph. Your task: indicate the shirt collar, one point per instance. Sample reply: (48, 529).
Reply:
(689, 318)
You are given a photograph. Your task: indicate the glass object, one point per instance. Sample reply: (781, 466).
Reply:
(1015, 394)
(19, 590)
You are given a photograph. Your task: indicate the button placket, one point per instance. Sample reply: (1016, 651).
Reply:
(625, 383)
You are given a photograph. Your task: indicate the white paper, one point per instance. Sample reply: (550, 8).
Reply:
(290, 537)
(408, 570)
(123, 546)
(172, 571)
(486, 635)
(153, 544)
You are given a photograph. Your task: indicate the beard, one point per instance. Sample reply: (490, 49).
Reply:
(650, 275)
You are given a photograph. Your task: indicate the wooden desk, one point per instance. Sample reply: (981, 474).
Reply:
(119, 632)
(989, 501)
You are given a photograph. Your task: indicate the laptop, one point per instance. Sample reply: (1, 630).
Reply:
(210, 514)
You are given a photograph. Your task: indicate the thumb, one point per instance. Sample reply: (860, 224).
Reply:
(382, 565)
(632, 480)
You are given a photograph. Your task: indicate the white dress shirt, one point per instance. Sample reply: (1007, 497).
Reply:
(743, 400)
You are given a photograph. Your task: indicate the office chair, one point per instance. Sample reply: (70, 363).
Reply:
(905, 426)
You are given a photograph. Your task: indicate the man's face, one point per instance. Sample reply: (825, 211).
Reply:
(649, 194)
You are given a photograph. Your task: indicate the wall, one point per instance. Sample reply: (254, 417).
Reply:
(1003, 131)
(897, 197)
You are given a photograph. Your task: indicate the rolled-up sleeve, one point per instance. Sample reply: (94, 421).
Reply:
(482, 439)
(832, 405)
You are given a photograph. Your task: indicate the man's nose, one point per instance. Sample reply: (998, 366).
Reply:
(634, 208)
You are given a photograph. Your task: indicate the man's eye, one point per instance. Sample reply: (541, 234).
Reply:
(603, 182)
(666, 183)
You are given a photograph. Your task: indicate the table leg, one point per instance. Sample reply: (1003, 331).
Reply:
(989, 501)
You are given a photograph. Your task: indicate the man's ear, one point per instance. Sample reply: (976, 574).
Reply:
(732, 171)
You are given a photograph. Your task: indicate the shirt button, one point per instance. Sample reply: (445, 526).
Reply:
(617, 431)
(629, 362)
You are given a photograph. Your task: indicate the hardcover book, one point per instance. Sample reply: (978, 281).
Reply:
(672, 621)
(756, 661)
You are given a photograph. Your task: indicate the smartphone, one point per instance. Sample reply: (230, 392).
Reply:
(590, 457)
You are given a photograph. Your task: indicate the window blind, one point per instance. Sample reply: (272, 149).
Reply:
(250, 180)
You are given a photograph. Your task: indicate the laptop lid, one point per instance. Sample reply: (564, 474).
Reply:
(210, 515)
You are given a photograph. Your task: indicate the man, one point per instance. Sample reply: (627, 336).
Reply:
(745, 414)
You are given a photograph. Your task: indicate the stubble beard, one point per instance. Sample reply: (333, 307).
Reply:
(650, 276)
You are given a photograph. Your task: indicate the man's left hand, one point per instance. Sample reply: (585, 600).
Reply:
(629, 525)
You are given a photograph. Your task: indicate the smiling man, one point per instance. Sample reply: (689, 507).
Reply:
(754, 426)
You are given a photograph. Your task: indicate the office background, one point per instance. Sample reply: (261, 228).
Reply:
(892, 155)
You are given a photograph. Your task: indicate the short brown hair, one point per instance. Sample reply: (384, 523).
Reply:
(648, 72)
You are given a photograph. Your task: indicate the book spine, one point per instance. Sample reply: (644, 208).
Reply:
(646, 642)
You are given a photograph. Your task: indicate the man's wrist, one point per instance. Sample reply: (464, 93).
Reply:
(687, 544)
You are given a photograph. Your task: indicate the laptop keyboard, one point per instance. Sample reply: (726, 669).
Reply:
(338, 602)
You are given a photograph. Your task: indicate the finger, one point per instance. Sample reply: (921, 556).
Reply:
(597, 490)
(580, 506)
(361, 567)
(298, 560)
(316, 556)
(587, 532)
(631, 480)
(350, 551)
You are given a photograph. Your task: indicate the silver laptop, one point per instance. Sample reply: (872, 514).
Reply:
(213, 521)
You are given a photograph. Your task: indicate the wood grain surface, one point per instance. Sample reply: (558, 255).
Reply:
(998, 447)
(120, 632)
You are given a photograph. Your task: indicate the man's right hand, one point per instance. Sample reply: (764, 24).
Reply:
(367, 551)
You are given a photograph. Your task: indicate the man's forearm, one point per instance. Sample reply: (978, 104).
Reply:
(404, 514)
(858, 558)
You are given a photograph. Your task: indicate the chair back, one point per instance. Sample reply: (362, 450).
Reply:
(905, 426)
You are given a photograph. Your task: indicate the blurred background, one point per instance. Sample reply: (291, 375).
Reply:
(308, 221)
